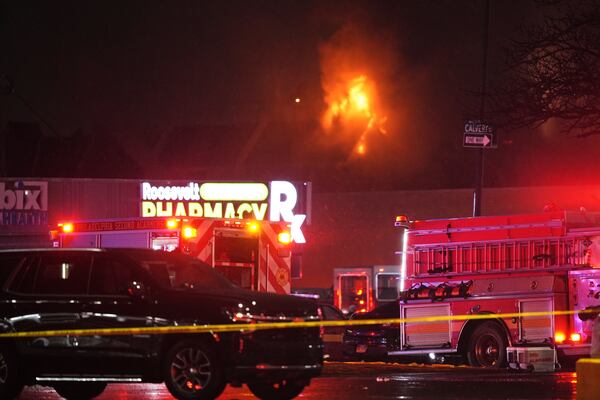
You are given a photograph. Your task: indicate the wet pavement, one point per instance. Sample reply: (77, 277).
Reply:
(383, 381)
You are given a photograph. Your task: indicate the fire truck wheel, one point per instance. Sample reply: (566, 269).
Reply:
(487, 346)
(192, 370)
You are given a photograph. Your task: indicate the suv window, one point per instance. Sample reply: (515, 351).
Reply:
(25, 276)
(110, 276)
(181, 272)
(9, 262)
(63, 274)
(330, 313)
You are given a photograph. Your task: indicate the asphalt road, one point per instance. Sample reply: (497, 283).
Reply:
(383, 381)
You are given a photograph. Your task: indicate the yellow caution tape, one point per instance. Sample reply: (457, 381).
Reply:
(588, 361)
(160, 330)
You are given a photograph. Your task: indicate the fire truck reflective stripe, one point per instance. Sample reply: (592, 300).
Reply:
(270, 236)
(275, 263)
(267, 325)
(426, 328)
(530, 323)
(205, 234)
(262, 280)
(276, 287)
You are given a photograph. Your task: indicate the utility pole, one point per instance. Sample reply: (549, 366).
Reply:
(5, 90)
(477, 196)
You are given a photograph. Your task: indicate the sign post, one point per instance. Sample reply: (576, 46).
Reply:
(479, 134)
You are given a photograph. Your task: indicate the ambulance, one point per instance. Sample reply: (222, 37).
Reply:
(252, 233)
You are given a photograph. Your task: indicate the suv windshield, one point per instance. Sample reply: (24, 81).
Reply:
(181, 272)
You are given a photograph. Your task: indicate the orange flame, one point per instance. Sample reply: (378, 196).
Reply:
(351, 103)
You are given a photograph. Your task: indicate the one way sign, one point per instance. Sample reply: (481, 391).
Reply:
(478, 140)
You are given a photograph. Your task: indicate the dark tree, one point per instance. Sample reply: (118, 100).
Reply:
(554, 71)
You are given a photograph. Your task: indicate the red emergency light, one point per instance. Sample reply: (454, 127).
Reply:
(575, 337)
(284, 237)
(402, 221)
(253, 227)
(66, 227)
(189, 232)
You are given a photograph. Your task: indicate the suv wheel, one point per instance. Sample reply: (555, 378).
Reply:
(279, 390)
(10, 384)
(80, 390)
(192, 371)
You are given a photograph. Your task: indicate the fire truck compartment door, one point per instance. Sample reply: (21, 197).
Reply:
(166, 243)
(426, 334)
(84, 240)
(584, 292)
(125, 240)
(536, 328)
(594, 252)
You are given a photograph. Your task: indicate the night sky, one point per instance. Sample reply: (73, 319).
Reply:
(205, 89)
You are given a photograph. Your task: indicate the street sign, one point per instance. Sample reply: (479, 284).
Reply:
(477, 140)
(479, 134)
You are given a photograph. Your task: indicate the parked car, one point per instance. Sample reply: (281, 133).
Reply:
(333, 335)
(125, 288)
(372, 342)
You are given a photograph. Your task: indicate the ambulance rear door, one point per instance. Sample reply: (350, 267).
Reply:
(353, 289)
(235, 256)
(386, 283)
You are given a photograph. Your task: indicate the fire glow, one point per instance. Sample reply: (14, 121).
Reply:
(351, 105)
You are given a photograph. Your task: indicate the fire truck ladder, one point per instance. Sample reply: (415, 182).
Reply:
(499, 256)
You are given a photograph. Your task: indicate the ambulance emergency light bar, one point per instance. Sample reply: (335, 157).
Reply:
(184, 226)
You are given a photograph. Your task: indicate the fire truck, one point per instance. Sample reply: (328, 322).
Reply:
(360, 289)
(545, 267)
(255, 255)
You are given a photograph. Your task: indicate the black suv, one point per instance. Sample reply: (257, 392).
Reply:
(56, 289)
